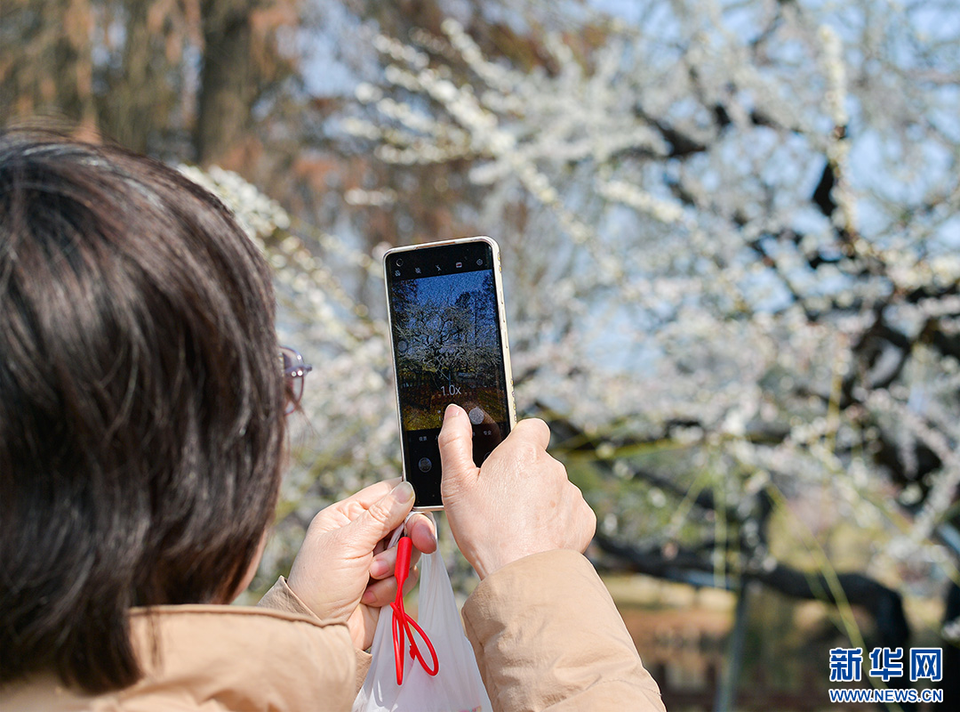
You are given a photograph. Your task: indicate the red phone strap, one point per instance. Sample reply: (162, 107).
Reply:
(403, 625)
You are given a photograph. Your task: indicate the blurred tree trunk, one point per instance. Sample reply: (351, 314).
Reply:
(727, 686)
(73, 62)
(134, 109)
(228, 85)
(47, 69)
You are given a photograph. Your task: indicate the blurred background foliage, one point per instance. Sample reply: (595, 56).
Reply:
(729, 231)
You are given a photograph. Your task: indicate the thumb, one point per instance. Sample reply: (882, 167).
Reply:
(456, 447)
(383, 516)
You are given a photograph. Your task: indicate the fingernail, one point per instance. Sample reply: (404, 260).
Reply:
(403, 492)
(452, 411)
(368, 597)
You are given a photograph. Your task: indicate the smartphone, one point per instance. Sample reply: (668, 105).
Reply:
(448, 334)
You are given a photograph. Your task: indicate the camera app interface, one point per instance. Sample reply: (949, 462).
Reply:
(448, 349)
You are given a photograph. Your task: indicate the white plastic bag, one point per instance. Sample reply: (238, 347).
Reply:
(457, 686)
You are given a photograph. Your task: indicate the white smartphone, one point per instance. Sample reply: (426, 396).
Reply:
(448, 334)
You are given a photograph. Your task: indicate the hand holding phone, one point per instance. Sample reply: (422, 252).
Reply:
(518, 503)
(449, 340)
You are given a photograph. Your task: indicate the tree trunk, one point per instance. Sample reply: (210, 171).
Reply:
(227, 82)
(727, 686)
(135, 102)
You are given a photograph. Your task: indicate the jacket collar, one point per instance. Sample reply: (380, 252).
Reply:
(218, 657)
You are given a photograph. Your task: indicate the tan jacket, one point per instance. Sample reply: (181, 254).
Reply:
(545, 630)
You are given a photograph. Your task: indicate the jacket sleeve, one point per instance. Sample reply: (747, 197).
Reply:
(281, 597)
(548, 636)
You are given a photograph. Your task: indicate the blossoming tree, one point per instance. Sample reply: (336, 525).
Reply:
(729, 236)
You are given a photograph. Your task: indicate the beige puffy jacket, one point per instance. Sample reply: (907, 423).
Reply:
(545, 630)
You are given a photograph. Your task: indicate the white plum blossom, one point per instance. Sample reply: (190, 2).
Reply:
(687, 289)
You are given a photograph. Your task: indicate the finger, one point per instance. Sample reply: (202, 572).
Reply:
(385, 564)
(456, 445)
(346, 510)
(367, 497)
(382, 517)
(423, 533)
(383, 593)
(533, 430)
(412, 579)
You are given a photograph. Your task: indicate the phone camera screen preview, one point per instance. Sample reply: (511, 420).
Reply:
(448, 349)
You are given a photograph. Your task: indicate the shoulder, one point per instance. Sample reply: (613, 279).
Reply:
(216, 658)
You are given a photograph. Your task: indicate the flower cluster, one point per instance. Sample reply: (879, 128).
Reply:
(672, 267)
(679, 289)
(259, 215)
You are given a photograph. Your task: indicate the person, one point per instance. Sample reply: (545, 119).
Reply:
(142, 416)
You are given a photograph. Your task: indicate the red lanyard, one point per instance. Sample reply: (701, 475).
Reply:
(404, 625)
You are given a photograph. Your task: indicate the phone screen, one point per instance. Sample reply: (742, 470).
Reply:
(448, 347)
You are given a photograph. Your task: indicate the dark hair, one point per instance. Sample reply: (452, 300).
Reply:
(141, 403)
